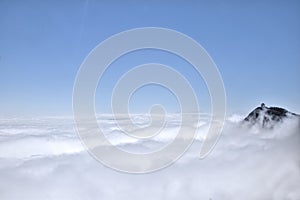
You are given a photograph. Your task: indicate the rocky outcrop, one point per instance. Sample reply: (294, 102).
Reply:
(268, 116)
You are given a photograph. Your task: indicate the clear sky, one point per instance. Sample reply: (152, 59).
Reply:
(255, 44)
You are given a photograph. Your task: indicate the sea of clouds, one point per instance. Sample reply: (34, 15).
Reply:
(43, 158)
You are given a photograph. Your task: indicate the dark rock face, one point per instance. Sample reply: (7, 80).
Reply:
(268, 116)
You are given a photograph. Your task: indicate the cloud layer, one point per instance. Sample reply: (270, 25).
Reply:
(44, 159)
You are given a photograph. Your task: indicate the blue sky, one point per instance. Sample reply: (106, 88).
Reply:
(256, 46)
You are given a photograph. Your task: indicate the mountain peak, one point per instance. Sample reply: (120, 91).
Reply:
(268, 116)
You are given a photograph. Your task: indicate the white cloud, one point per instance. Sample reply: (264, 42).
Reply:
(44, 159)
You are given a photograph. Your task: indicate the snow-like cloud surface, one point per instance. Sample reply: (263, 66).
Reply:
(44, 159)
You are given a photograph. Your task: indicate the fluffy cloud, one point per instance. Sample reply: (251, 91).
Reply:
(44, 159)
